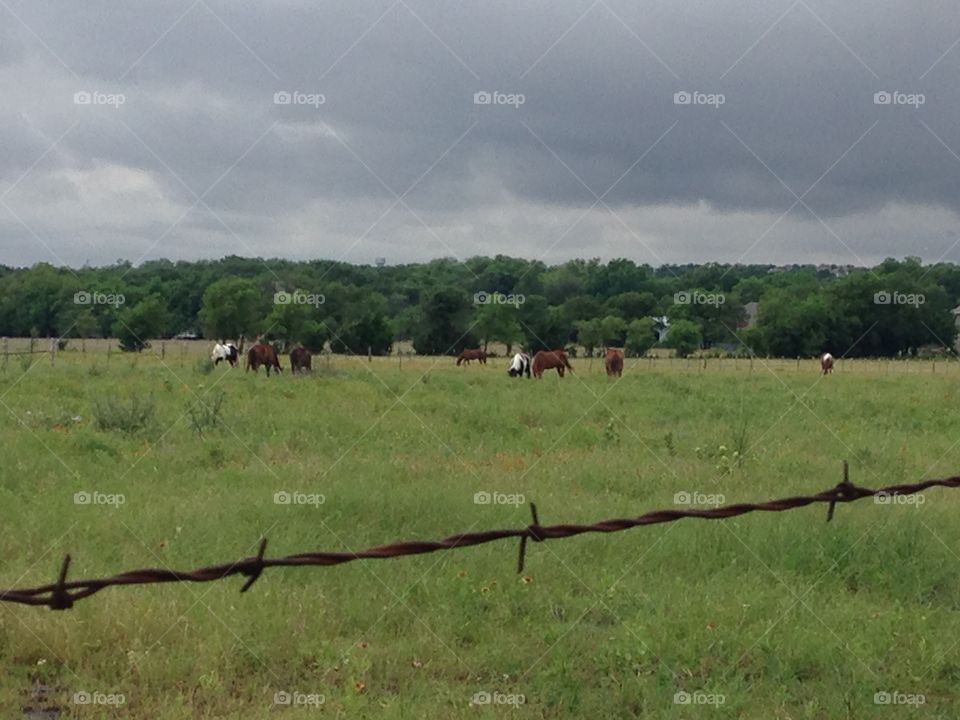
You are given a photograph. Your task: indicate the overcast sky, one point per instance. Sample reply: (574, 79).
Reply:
(149, 130)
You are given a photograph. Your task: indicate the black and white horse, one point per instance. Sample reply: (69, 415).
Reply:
(225, 351)
(520, 365)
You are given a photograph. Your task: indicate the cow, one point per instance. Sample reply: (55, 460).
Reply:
(826, 364)
(300, 360)
(613, 361)
(263, 354)
(520, 365)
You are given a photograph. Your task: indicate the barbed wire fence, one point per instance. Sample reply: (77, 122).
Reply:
(63, 594)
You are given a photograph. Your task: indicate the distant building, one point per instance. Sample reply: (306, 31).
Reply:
(661, 326)
(751, 311)
(956, 322)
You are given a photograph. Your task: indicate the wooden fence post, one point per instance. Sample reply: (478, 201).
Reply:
(53, 352)
(6, 352)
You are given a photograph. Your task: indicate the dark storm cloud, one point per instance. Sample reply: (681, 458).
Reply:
(200, 160)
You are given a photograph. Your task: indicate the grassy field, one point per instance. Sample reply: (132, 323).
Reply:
(763, 616)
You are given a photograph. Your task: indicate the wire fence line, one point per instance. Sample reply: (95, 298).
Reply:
(62, 594)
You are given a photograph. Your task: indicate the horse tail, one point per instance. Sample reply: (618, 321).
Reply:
(459, 360)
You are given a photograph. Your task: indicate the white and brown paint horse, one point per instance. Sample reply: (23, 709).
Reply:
(520, 365)
(826, 364)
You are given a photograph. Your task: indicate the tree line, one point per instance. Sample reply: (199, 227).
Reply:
(443, 306)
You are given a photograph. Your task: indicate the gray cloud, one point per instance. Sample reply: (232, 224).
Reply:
(680, 182)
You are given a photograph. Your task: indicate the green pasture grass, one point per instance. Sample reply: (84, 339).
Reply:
(779, 614)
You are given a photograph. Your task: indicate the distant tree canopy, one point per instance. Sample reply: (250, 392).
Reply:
(445, 305)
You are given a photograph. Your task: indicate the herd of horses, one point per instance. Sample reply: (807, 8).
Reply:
(261, 355)
(522, 364)
(301, 360)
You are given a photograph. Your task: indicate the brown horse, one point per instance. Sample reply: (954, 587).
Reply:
(300, 360)
(550, 359)
(472, 354)
(614, 362)
(263, 354)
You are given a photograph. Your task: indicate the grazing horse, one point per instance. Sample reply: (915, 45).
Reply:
(520, 365)
(300, 360)
(225, 352)
(549, 359)
(826, 363)
(263, 354)
(614, 362)
(472, 354)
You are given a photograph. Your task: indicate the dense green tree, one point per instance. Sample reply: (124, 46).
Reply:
(498, 322)
(231, 307)
(136, 326)
(613, 330)
(541, 325)
(640, 336)
(589, 334)
(685, 337)
(803, 309)
(446, 323)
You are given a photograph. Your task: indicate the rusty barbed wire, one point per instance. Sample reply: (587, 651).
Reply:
(62, 594)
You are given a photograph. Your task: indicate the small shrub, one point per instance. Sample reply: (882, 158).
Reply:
(205, 366)
(669, 444)
(123, 415)
(206, 415)
(611, 433)
(217, 456)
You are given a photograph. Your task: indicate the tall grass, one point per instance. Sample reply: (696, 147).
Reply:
(784, 615)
